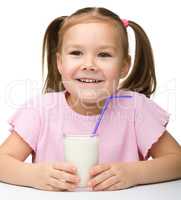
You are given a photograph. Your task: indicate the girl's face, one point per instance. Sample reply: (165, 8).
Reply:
(91, 61)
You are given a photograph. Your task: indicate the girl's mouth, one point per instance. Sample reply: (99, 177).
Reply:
(85, 80)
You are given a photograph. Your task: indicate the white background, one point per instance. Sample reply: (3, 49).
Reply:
(23, 23)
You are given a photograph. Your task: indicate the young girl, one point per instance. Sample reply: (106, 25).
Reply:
(87, 56)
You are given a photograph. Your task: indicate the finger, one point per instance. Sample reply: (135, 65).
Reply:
(100, 178)
(61, 185)
(61, 175)
(107, 183)
(98, 169)
(68, 167)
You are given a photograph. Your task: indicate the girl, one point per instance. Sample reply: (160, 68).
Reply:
(87, 56)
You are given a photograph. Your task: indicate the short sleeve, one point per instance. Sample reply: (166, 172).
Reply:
(26, 122)
(150, 123)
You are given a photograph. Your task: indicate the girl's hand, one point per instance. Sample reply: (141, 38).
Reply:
(54, 177)
(113, 176)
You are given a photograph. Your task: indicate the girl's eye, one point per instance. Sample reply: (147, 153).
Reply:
(77, 53)
(104, 54)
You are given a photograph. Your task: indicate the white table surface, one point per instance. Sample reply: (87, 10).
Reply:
(160, 191)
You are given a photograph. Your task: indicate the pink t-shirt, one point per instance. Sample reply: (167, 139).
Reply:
(127, 131)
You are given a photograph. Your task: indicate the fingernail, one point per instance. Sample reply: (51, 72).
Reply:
(77, 179)
(74, 169)
(91, 173)
(72, 188)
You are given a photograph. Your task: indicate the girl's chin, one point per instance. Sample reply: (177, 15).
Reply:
(88, 99)
(91, 97)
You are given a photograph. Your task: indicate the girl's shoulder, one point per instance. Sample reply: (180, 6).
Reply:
(138, 102)
(45, 101)
(130, 98)
(142, 104)
(133, 94)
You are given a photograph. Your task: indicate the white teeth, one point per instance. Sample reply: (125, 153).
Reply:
(88, 80)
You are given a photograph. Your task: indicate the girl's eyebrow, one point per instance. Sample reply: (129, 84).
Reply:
(107, 47)
(73, 46)
(100, 47)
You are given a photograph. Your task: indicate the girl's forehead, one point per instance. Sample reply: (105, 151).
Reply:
(72, 28)
(86, 19)
(99, 35)
(94, 30)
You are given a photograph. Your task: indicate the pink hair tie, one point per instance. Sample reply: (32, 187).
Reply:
(125, 22)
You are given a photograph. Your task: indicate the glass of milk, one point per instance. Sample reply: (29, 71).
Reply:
(82, 151)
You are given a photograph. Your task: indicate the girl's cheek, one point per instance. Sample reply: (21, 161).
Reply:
(113, 73)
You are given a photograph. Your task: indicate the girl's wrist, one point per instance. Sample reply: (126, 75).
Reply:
(133, 170)
(136, 172)
(30, 170)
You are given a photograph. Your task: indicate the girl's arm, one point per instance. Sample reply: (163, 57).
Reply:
(44, 176)
(12, 152)
(166, 163)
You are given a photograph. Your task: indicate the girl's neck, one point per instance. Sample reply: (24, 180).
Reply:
(83, 107)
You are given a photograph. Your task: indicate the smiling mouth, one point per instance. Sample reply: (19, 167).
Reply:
(84, 80)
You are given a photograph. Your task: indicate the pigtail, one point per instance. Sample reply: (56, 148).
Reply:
(50, 45)
(142, 77)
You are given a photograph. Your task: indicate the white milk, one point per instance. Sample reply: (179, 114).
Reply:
(82, 150)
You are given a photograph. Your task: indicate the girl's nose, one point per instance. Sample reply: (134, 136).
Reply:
(89, 63)
(89, 67)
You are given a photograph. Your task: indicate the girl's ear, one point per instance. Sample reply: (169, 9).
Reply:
(59, 62)
(126, 66)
